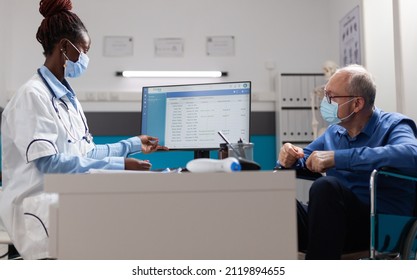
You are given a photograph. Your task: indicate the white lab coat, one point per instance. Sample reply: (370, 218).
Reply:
(31, 129)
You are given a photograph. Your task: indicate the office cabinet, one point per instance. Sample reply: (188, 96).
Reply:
(295, 111)
(298, 119)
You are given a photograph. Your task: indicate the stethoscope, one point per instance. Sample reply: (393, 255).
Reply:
(87, 136)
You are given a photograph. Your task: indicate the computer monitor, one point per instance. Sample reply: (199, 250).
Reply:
(188, 117)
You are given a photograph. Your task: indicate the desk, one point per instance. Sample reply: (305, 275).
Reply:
(243, 215)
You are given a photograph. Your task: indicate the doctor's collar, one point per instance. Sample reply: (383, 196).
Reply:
(58, 89)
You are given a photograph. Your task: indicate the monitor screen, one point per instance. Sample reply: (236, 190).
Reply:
(188, 117)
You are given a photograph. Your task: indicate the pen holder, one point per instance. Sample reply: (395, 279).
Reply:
(244, 150)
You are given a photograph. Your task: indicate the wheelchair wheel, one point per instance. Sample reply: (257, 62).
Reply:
(408, 250)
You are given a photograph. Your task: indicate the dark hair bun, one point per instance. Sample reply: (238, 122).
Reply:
(48, 8)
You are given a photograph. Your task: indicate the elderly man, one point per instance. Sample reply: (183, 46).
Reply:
(359, 139)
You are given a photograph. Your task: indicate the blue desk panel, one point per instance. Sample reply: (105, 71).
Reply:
(264, 153)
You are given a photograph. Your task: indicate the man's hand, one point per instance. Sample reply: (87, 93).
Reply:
(135, 164)
(289, 154)
(150, 144)
(320, 161)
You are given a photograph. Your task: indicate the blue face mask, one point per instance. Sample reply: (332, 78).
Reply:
(329, 111)
(75, 69)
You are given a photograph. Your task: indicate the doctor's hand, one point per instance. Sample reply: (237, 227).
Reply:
(289, 154)
(135, 164)
(320, 161)
(150, 144)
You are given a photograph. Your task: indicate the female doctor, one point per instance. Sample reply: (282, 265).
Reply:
(44, 130)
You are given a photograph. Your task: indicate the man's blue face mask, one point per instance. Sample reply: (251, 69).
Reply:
(75, 69)
(329, 111)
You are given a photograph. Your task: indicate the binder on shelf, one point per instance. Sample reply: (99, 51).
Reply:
(284, 125)
(290, 91)
(293, 124)
(307, 87)
(298, 91)
(308, 130)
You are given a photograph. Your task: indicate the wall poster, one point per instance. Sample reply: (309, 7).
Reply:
(350, 39)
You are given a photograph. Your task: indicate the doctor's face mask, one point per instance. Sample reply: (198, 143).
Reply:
(75, 69)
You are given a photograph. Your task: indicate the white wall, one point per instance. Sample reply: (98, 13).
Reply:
(296, 35)
(3, 23)
(379, 50)
(408, 54)
(293, 34)
(390, 52)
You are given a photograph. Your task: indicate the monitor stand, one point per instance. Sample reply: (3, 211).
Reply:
(201, 154)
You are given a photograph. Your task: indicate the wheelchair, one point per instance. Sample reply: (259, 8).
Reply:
(392, 236)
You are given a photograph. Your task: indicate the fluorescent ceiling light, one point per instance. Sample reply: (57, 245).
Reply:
(171, 74)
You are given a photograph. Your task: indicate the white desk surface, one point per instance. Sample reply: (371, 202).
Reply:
(131, 181)
(243, 215)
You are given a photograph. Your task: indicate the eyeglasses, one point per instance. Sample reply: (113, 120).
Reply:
(329, 97)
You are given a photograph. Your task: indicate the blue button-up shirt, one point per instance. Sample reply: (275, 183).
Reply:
(388, 139)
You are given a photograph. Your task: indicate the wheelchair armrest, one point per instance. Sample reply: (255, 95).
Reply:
(303, 173)
(391, 171)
